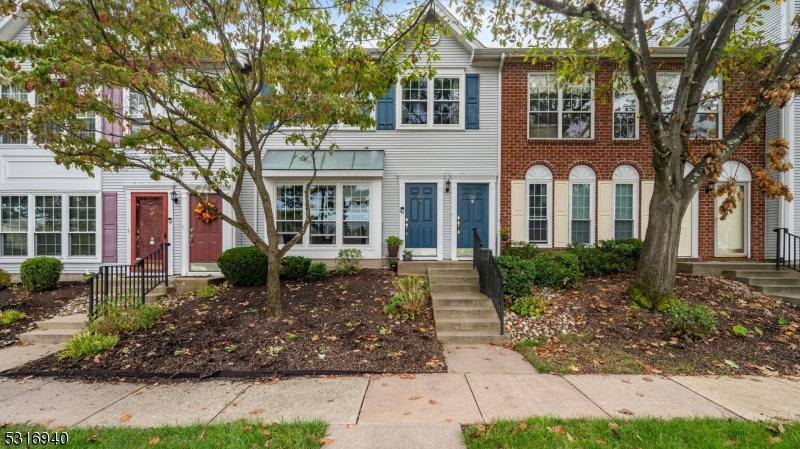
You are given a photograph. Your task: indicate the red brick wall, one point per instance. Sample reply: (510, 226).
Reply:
(603, 154)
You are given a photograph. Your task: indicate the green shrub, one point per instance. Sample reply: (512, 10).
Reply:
(115, 320)
(10, 316)
(556, 269)
(207, 291)
(40, 273)
(318, 272)
(523, 250)
(609, 256)
(529, 306)
(295, 267)
(408, 302)
(243, 266)
(86, 344)
(5, 279)
(349, 261)
(518, 273)
(696, 322)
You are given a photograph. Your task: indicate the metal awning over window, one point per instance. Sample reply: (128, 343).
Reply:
(366, 163)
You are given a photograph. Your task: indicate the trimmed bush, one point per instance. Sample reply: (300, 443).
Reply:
(85, 344)
(115, 320)
(696, 322)
(348, 261)
(5, 279)
(318, 272)
(40, 273)
(295, 267)
(243, 266)
(523, 250)
(556, 269)
(609, 256)
(519, 275)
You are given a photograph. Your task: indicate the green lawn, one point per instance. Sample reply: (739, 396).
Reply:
(239, 434)
(633, 433)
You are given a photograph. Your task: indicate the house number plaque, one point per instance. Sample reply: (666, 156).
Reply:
(152, 240)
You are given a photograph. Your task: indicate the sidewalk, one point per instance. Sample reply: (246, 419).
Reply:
(420, 411)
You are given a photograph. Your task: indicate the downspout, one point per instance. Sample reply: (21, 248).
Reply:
(499, 147)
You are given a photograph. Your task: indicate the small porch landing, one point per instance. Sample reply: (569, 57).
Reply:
(762, 276)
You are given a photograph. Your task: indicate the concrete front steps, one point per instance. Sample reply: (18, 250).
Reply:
(762, 276)
(463, 314)
(56, 330)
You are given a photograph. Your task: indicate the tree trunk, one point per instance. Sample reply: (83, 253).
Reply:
(655, 274)
(273, 305)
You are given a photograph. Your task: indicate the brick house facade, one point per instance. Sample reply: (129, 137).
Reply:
(603, 154)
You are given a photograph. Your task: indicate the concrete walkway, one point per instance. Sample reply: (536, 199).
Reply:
(419, 411)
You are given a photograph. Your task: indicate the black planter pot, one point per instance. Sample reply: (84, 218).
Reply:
(407, 257)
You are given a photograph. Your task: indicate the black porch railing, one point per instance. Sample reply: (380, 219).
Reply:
(787, 250)
(127, 285)
(491, 279)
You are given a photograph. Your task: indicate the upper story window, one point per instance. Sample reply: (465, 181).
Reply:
(554, 112)
(626, 111)
(20, 136)
(435, 102)
(707, 120)
(137, 108)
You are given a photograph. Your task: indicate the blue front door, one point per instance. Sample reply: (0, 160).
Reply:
(473, 212)
(421, 219)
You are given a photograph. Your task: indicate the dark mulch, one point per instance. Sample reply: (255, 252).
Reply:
(36, 305)
(322, 328)
(619, 338)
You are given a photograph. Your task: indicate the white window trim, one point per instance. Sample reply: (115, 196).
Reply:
(398, 102)
(621, 177)
(719, 101)
(541, 178)
(613, 113)
(65, 247)
(157, 110)
(559, 111)
(29, 137)
(305, 247)
(592, 181)
(744, 179)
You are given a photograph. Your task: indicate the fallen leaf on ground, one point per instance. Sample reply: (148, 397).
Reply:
(325, 441)
(600, 441)
(647, 379)
(574, 368)
(256, 411)
(125, 417)
(625, 411)
(448, 420)
(639, 393)
(730, 443)
(626, 381)
(92, 437)
(558, 430)
(774, 440)
(522, 425)
(414, 398)
(154, 440)
(432, 402)
(407, 413)
(407, 376)
(570, 437)
(612, 425)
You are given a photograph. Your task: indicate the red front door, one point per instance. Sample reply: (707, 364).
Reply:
(205, 239)
(150, 223)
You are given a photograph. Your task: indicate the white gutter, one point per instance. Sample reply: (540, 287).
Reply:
(499, 147)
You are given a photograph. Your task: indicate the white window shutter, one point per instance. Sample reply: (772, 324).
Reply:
(518, 228)
(605, 218)
(561, 213)
(647, 194)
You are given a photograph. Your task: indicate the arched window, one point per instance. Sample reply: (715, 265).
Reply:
(626, 202)
(733, 233)
(581, 204)
(539, 187)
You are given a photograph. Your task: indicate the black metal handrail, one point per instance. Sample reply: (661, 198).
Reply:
(787, 250)
(124, 285)
(491, 279)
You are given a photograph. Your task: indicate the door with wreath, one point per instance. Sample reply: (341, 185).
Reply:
(205, 234)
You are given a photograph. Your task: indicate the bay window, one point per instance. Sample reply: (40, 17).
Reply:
(355, 215)
(435, 102)
(323, 215)
(555, 112)
(707, 120)
(62, 226)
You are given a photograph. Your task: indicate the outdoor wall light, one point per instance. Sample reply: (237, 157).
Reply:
(175, 198)
(447, 184)
(710, 186)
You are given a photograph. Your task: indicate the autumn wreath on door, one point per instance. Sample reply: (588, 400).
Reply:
(204, 214)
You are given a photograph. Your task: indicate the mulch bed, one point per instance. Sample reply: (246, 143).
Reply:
(619, 338)
(37, 306)
(323, 328)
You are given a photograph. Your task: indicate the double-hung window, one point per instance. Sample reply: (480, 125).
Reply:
(581, 204)
(58, 225)
(626, 111)
(707, 120)
(137, 109)
(559, 112)
(436, 102)
(340, 214)
(625, 201)
(539, 181)
(88, 125)
(18, 135)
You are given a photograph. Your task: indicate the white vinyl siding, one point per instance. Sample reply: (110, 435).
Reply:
(555, 112)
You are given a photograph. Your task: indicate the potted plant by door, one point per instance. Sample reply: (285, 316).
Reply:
(407, 255)
(393, 243)
(504, 232)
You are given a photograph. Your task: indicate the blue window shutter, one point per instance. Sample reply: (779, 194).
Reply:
(473, 97)
(384, 112)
